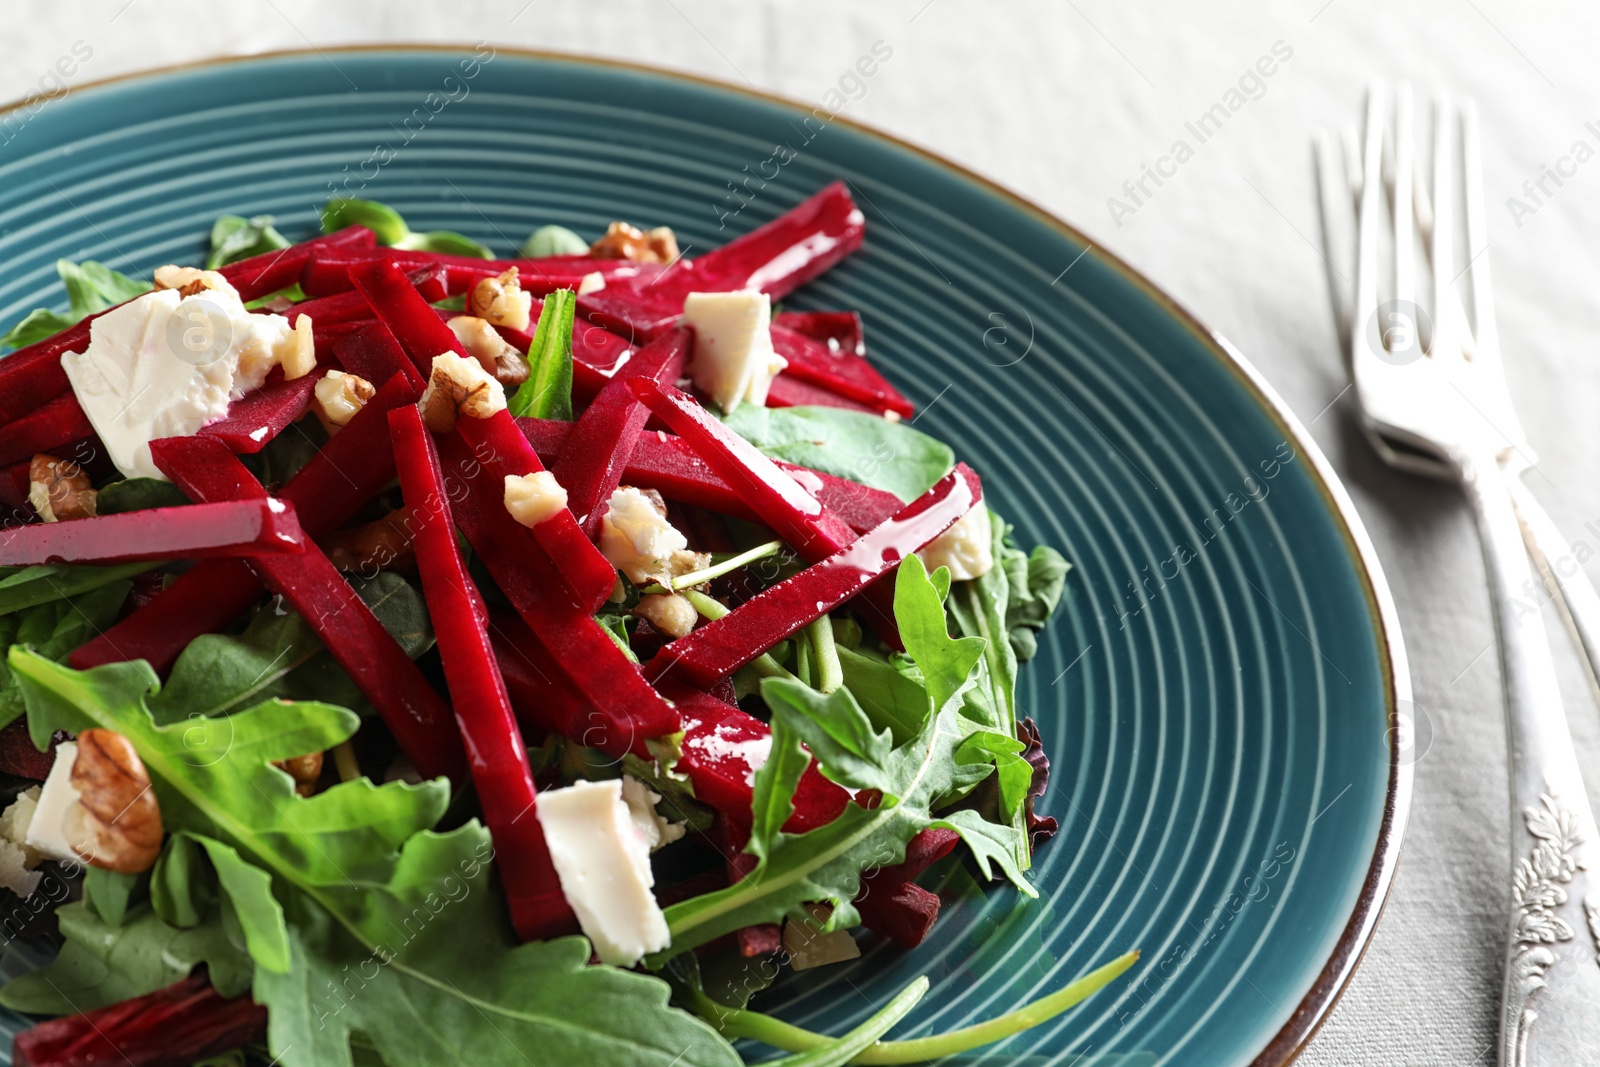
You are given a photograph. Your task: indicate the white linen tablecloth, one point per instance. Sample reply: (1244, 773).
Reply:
(1067, 102)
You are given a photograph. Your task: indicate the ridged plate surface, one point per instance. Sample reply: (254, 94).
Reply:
(1217, 691)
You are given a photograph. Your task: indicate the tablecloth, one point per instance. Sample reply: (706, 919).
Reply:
(1074, 104)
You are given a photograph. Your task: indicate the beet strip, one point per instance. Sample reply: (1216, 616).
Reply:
(265, 527)
(722, 646)
(329, 273)
(626, 710)
(731, 837)
(267, 273)
(59, 422)
(666, 463)
(372, 353)
(406, 312)
(894, 905)
(349, 306)
(495, 753)
(184, 1023)
(837, 370)
(602, 440)
(505, 452)
(419, 720)
(788, 391)
(342, 476)
(32, 376)
(251, 423)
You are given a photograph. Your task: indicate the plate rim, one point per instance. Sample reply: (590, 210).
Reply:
(1334, 976)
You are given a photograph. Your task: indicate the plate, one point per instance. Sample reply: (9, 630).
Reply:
(1224, 693)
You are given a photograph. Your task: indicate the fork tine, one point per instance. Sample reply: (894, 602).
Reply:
(1350, 150)
(1443, 227)
(1332, 194)
(1483, 326)
(1366, 299)
(1404, 234)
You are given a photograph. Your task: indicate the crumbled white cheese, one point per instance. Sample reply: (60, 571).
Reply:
(636, 536)
(733, 361)
(641, 801)
(592, 282)
(47, 829)
(164, 365)
(967, 548)
(533, 498)
(603, 861)
(17, 858)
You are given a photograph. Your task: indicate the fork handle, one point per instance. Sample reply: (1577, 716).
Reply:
(1550, 1006)
(1563, 575)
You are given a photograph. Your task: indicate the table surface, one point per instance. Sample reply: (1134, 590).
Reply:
(1066, 102)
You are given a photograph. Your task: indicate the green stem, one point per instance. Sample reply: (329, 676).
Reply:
(718, 569)
(835, 1052)
(741, 1022)
(825, 655)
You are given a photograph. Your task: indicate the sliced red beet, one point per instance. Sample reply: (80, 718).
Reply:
(371, 352)
(342, 476)
(731, 838)
(891, 903)
(252, 423)
(602, 441)
(408, 315)
(627, 710)
(267, 273)
(330, 273)
(843, 372)
(184, 1023)
(505, 452)
(349, 306)
(723, 645)
(19, 757)
(496, 755)
(57, 423)
(227, 529)
(420, 721)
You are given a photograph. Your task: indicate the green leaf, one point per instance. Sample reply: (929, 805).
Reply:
(396, 933)
(445, 242)
(913, 776)
(547, 394)
(1015, 774)
(1036, 581)
(234, 237)
(54, 629)
(891, 698)
(850, 444)
(383, 220)
(772, 796)
(138, 494)
(554, 241)
(36, 326)
(992, 844)
(183, 887)
(100, 964)
(27, 587)
(93, 287)
(109, 893)
(249, 890)
(279, 656)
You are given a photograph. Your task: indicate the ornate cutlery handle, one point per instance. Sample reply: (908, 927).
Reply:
(1550, 1008)
(1563, 575)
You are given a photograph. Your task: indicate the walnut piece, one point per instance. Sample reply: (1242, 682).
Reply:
(305, 770)
(297, 354)
(671, 613)
(337, 398)
(190, 280)
(501, 301)
(59, 490)
(494, 353)
(459, 386)
(115, 823)
(625, 241)
(381, 545)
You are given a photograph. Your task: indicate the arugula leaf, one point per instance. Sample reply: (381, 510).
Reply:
(55, 629)
(914, 778)
(891, 698)
(554, 241)
(93, 287)
(850, 444)
(109, 893)
(234, 237)
(183, 888)
(394, 932)
(138, 494)
(1036, 581)
(36, 326)
(279, 656)
(386, 223)
(100, 964)
(547, 393)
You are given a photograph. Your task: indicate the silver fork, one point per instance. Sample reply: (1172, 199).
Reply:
(1434, 402)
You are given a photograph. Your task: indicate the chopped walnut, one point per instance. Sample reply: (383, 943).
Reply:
(381, 545)
(684, 561)
(115, 823)
(59, 490)
(305, 770)
(502, 302)
(625, 241)
(671, 613)
(459, 386)
(297, 354)
(494, 353)
(338, 397)
(190, 280)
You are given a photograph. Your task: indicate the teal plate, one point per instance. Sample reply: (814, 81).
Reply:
(1219, 692)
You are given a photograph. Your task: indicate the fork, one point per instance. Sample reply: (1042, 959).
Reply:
(1433, 400)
